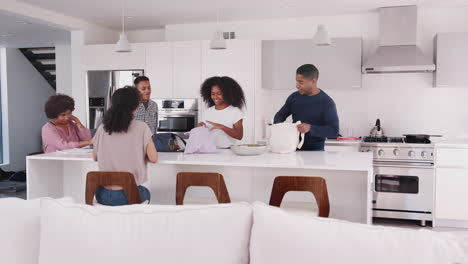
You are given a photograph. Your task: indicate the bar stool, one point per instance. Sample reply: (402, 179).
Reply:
(213, 180)
(316, 185)
(126, 180)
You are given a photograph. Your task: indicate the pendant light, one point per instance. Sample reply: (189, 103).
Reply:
(123, 45)
(218, 42)
(321, 36)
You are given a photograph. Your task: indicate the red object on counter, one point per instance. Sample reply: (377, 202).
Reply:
(348, 138)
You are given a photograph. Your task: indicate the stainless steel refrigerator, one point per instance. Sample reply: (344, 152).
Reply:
(101, 85)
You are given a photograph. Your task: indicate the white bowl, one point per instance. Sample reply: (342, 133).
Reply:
(249, 149)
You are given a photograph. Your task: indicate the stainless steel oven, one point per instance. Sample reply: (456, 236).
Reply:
(403, 182)
(403, 190)
(177, 115)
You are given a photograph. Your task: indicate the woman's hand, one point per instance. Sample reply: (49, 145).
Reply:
(86, 143)
(77, 121)
(216, 125)
(202, 124)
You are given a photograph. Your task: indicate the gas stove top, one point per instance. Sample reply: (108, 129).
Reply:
(385, 139)
(398, 150)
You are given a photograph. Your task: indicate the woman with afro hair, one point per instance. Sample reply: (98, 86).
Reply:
(225, 99)
(64, 130)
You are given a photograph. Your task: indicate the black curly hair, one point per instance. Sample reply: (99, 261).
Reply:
(57, 104)
(123, 102)
(232, 92)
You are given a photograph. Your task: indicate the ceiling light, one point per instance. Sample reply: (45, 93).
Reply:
(6, 35)
(321, 36)
(129, 17)
(123, 45)
(22, 22)
(218, 42)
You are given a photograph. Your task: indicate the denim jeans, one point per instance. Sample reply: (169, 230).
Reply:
(117, 197)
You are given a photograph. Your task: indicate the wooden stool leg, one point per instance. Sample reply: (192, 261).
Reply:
(181, 188)
(221, 191)
(281, 186)
(214, 181)
(316, 185)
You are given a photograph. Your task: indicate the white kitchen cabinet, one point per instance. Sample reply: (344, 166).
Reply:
(160, 69)
(237, 62)
(187, 69)
(451, 194)
(103, 57)
(452, 158)
(339, 64)
(451, 62)
(174, 69)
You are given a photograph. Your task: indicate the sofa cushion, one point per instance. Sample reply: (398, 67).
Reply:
(20, 225)
(281, 237)
(77, 234)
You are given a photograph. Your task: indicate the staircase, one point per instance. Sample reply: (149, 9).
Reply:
(43, 59)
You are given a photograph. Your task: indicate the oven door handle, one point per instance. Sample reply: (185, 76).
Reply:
(178, 115)
(422, 165)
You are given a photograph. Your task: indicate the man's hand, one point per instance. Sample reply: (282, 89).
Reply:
(304, 128)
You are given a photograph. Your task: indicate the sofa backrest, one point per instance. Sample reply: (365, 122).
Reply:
(77, 234)
(281, 237)
(20, 225)
(225, 233)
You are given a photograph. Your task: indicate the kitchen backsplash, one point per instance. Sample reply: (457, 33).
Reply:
(405, 103)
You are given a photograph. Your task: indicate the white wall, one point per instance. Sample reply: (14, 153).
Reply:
(27, 93)
(4, 105)
(147, 35)
(404, 102)
(63, 69)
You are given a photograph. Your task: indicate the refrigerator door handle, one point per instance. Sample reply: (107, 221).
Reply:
(109, 95)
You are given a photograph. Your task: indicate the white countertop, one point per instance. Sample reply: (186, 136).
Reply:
(321, 160)
(336, 142)
(452, 143)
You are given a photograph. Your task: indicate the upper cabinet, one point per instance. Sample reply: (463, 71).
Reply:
(174, 69)
(339, 64)
(187, 69)
(452, 65)
(159, 69)
(103, 57)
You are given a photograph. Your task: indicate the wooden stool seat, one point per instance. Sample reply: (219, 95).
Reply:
(316, 185)
(213, 180)
(126, 180)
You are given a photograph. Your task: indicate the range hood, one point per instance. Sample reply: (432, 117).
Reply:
(398, 51)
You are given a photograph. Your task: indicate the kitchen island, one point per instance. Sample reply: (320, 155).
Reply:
(248, 178)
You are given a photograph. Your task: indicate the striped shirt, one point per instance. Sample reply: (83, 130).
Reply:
(148, 115)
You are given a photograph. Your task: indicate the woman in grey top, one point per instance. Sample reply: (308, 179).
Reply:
(123, 144)
(147, 109)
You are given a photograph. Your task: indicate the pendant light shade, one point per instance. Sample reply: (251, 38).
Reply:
(321, 36)
(123, 45)
(218, 42)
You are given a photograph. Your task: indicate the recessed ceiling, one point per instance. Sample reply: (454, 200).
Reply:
(16, 32)
(157, 13)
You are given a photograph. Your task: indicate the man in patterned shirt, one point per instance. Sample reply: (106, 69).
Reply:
(148, 109)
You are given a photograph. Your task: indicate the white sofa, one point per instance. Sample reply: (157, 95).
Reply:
(49, 231)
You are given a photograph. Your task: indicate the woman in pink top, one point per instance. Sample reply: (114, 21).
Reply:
(64, 130)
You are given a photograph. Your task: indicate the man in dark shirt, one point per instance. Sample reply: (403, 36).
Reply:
(313, 107)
